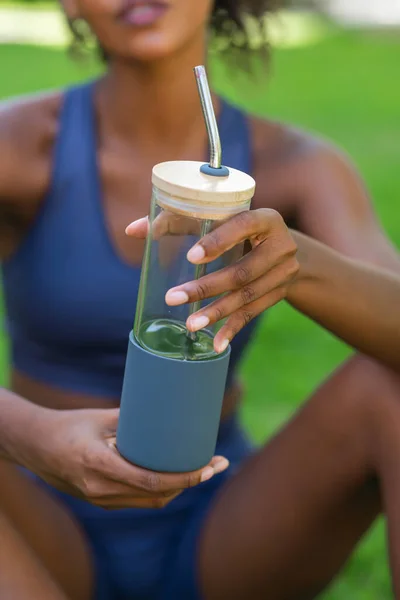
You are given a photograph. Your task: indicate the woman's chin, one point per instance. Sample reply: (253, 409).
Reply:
(148, 50)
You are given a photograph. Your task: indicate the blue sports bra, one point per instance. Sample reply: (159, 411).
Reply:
(70, 300)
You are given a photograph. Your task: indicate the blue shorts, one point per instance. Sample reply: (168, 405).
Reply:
(152, 554)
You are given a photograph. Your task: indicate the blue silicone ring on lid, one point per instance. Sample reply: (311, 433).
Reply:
(214, 172)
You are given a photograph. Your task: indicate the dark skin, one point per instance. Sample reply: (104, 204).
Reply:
(285, 517)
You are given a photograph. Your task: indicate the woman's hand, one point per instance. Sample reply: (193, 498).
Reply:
(256, 282)
(75, 452)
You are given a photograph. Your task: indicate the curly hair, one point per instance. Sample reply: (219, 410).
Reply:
(228, 24)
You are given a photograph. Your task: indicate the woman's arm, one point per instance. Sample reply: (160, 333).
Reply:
(27, 131)
(317, 188)
(334, 207)
(18, 421)
(357, 302)
(75, 452)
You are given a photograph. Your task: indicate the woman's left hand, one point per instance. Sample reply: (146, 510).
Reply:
(256, 282)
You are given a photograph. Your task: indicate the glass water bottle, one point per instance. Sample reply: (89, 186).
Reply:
(174, 380)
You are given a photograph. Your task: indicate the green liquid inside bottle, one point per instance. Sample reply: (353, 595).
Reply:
(169, 338)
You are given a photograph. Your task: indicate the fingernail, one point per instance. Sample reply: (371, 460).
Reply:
(221, 465)
(197, 323)
(223, 346)
(176, 298)
(207, 473)
(196, 254)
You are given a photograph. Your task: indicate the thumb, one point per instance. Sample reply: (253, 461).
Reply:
(138, 229)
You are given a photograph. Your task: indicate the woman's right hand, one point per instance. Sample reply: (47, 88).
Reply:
(75, 452)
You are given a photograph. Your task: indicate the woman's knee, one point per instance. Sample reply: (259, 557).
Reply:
(358, 406)
(361, 385)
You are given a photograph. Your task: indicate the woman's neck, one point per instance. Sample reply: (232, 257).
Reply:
(153, 103)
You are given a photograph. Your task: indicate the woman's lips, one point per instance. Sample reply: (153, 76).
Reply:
(141, 14)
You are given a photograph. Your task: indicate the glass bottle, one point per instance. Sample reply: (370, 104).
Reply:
(174, 381)
(177, 222)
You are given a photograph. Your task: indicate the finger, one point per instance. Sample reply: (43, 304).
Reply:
(101, 488)
(139, 228)
(109, 422)
(166, 223)
(118, 469)
(159, 482)
(122, 488)
(255, 224)
(123, 502)
(242, 317)
(239, 275)
(279, 276)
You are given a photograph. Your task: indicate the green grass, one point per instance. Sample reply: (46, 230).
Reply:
(347, 88)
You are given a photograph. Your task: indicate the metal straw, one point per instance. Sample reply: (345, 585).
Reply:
(215, 162)
(209, 117)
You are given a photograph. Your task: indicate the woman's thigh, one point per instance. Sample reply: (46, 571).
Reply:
(52, 536)
(22, 575)
(287, 523)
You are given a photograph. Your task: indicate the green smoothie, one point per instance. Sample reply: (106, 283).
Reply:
(170, 338)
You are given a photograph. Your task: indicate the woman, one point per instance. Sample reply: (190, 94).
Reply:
(70, 280)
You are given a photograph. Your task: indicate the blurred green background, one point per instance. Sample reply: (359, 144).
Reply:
(341, 82)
